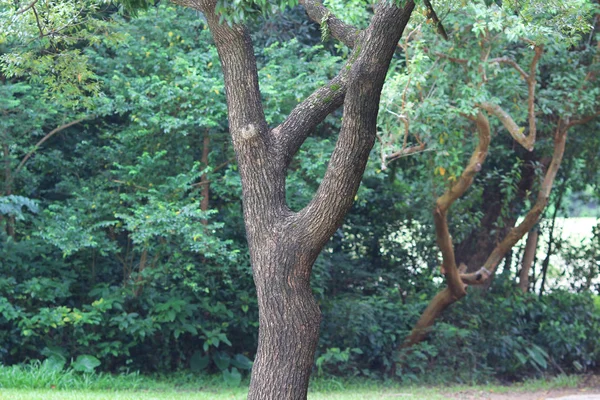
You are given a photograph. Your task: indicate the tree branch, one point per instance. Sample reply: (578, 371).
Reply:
(334, 197)
(45, 138)
(340, 30)
(444, 202)
(532, 217)
(22, 10)
(432, 15)
(510, 125)
(305, 117)
(512, 63)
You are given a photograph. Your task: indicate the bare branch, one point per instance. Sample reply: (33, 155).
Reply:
(474, 166)
(340, 30)
(45, 138)
(432, 15)
(37, 21)
(531, 82)
(510, 125)
(444, 202)
(22, 10)
(583, 120)
(532, 217)
(512, 63)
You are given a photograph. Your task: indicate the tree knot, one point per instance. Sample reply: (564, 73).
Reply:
(249, 131)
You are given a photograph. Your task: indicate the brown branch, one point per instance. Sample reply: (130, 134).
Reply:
(444, 202)
(531, 83)
(340, 30)
(455, 289)
(432, 15)
(37, 21)
(532, 217)
(528, 257)
(45, 138)
(406, 152)
(512, 63)
(510, 125)
(583, 120)
(22, 10)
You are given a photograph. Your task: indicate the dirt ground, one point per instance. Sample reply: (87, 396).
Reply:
(589, 389)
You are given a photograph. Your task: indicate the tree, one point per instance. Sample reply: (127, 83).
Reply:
(284, 244)
(483, 81)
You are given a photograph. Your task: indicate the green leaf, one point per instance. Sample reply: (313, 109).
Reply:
(241, 361)
(222, 360)
(85, 363)
(198, 362)
(232, 377)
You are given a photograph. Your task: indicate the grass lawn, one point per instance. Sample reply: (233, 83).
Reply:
(184, 387)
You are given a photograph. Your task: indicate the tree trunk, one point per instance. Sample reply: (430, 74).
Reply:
(528, 257)
(289, 320)
(10, 221)
(284, 244)
(204, 205)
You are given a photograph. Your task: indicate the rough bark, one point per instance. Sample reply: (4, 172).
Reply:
(283, 244)
(528, 257)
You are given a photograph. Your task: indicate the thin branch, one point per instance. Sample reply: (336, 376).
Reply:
(531, 83)
(512, 63)
(37, 21)
(431, 14)
(583, 120)
(45, 138)
(22, 10)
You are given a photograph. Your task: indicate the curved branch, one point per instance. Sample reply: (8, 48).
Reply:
(444, 202)
(44, 139)
(532, 217)
(511, 126)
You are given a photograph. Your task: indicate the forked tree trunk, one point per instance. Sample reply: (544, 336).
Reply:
(284, 244)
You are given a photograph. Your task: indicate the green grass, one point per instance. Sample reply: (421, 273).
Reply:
(41, 381)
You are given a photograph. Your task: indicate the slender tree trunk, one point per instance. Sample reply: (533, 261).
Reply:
(10, 229)
(528, 257)
(204, 205)
(557, 205)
